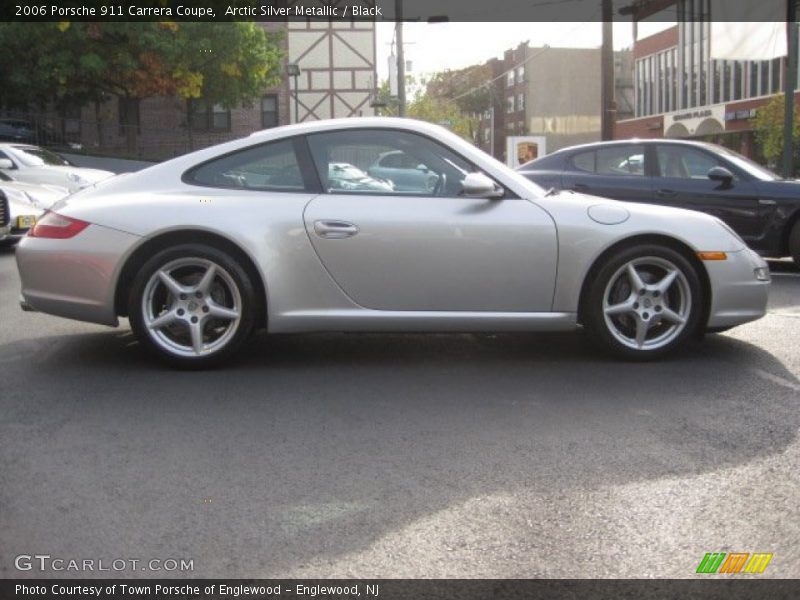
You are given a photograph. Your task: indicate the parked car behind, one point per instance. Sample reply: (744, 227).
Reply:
(761, 207)
(405, 172)
(22, 205)
(33, 164)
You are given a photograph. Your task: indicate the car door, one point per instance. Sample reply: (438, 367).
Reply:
(420, 251)
(682, 181)
(615, 171)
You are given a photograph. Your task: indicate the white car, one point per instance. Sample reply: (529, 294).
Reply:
(201, 250)
(21, 205)
(33, 164)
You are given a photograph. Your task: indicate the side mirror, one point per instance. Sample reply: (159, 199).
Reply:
(5, 163)
(478, 185)
(720, 174)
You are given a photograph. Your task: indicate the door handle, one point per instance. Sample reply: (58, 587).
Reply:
(667, 193)
(766, 202)
(335, 230)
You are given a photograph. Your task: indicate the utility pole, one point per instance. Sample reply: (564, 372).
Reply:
(791, 84)
(608, 112)
(491, 127)
(401, 59)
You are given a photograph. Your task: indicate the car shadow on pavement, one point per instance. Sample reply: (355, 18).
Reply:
(312, 447)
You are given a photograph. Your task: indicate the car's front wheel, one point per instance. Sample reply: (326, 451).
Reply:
(192, 305)
(644, 302)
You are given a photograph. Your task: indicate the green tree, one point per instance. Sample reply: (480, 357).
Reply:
(443, 111)
(769, 130)
(76, 63)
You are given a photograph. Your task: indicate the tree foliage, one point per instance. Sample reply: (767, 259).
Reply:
(72, 63)
(469, 88)
(769, 129)
(430, 102)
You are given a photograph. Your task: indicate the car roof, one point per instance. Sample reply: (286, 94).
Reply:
(324, 125)
(647, 141)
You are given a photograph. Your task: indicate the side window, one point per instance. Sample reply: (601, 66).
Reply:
(266, 167)
(385, 161)
(620, 160)
(584, 161)
(684, 163)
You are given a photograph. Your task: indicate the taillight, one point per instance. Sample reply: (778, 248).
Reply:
(54, 225)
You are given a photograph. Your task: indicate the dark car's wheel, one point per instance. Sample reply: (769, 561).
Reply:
(794, 244)
(643, 302)
(192, 305)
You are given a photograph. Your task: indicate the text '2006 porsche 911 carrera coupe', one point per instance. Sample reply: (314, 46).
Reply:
(200, 251)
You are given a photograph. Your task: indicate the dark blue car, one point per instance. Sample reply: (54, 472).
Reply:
(761, 207)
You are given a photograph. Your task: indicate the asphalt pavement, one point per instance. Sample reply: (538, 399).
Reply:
(524, 455)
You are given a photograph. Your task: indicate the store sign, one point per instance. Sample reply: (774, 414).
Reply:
(698, 114)
(737, 115)
(692, 119)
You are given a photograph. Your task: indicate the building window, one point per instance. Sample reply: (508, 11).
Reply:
(205, 117)
(510, 78)
(269, 111)
(510, 104)
(520, 101)
(520, 74)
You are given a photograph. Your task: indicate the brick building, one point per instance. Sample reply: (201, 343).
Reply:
(682, 90)
(551, 92)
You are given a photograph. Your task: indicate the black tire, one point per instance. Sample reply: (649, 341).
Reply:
(229, 289)
(654, 311)
(794, 244)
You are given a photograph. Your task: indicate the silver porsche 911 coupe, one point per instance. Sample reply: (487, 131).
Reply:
(200, 251)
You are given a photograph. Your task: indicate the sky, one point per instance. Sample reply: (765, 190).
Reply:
(441, 46)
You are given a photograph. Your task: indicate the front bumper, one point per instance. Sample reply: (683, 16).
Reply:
(737, 296)
(76, 277)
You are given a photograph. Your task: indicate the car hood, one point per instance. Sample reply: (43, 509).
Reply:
(17, 207)
(780, 188)
(43, 195)
(698, 230)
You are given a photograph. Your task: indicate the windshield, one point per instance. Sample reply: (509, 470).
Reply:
(33, 156)
(749, 166)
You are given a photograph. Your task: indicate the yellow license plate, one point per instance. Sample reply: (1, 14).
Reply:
(26, 221)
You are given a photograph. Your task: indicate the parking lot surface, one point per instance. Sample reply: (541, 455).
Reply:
(524, 455)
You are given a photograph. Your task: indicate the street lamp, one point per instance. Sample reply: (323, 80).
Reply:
(293, 70)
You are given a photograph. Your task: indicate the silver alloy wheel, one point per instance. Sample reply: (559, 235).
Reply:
(191, 307)
(647, 303)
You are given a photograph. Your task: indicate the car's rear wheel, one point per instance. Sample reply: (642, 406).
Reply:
(644, 302)
(794, 244)
(192, 305)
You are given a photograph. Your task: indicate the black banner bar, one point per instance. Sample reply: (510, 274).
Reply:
(704, 587)
(384, 10)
